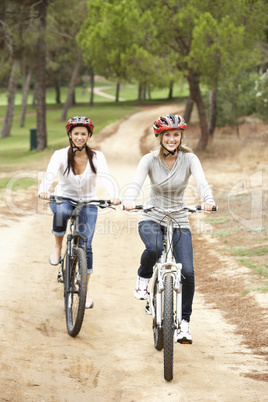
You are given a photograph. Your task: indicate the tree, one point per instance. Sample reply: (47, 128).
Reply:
(146, 40)
(41, 78)
(117, 39)
(64, 20)
(12, 86)
(207, 43)
(12, 29)
(69, 99)
(25, 90)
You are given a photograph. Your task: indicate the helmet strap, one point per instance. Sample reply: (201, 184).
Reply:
(170, 152)
(75, 148)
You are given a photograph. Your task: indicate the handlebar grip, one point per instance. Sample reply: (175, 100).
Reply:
(136, 207)
(214, 208)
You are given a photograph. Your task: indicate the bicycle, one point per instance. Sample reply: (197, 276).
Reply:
(73, 266)
(165, 294)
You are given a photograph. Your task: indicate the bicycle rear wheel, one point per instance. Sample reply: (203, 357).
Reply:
(168, 328)
(75, 299)
(158, 332)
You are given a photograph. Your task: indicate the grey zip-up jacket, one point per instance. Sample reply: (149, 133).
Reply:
(168, 186)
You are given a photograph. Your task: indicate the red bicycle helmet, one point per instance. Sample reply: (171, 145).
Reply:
(80, 121)
(169, 122)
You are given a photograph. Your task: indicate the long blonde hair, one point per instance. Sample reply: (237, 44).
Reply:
(160, 151)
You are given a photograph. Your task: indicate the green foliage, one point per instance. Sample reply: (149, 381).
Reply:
(213, 43)
(119, 40)
(64, 20)
(221, 233)
(244, 252)
(261, 93)
(245, 255)
(217, 220)
(235, 98)
(152, 42)
(21, 184)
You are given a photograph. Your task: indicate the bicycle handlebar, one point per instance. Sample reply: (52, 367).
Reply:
(191, 209)
(98, 203)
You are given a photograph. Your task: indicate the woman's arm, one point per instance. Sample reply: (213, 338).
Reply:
(108, 181)
(50, 175)
(201, 182)
(135, 187)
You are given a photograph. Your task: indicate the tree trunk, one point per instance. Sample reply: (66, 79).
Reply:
(144, 92)
(34, 94)
(196, 95)
(188, 110)
(117, 92)
(213, 111)
(41, 79)
(26, 87)
(12, 87)
(70, 95)
(149, 92)
(92, 88)
(170, 93)
(57, 90)
(139, 94)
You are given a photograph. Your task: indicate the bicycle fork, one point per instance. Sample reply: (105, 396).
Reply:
(69, 255)
(163, 269)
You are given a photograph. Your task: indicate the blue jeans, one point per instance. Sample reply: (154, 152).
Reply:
(151, 234)
(88, 218)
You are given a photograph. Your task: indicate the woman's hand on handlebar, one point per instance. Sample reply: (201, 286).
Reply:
(129, 206)
(207, 206)
(115, 201)
(45, 196)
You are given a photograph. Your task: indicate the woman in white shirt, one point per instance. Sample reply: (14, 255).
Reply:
(169, 170)
(77, 167)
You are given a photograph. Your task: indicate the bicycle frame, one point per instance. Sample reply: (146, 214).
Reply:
(72, 241)
(74, 274)
(165, 282)
(74, 236)
(166, 266)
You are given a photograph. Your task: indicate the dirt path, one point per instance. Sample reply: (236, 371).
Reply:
(113, 358)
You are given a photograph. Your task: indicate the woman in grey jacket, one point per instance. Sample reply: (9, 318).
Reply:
(169, 170)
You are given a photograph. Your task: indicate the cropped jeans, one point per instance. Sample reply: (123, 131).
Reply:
(151, 234)
(88, 218)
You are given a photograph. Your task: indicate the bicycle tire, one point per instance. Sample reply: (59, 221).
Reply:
(75, 300)
(157, 331)
(168, 328)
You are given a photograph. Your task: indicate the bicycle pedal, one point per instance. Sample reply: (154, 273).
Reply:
(184, 342)
(147, 309)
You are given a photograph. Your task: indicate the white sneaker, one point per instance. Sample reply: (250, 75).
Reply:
(141, 291)
(184, 335)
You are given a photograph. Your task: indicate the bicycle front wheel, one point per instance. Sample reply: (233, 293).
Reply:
(158, 332)
(75, 299)
(168, 328)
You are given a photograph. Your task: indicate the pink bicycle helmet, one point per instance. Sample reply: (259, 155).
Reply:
(80, 121)
(169, 122)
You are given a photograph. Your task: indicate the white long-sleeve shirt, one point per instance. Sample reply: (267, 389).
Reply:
(78, 187)
(168, 186)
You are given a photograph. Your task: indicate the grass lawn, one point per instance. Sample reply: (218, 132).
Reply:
(15, 150)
